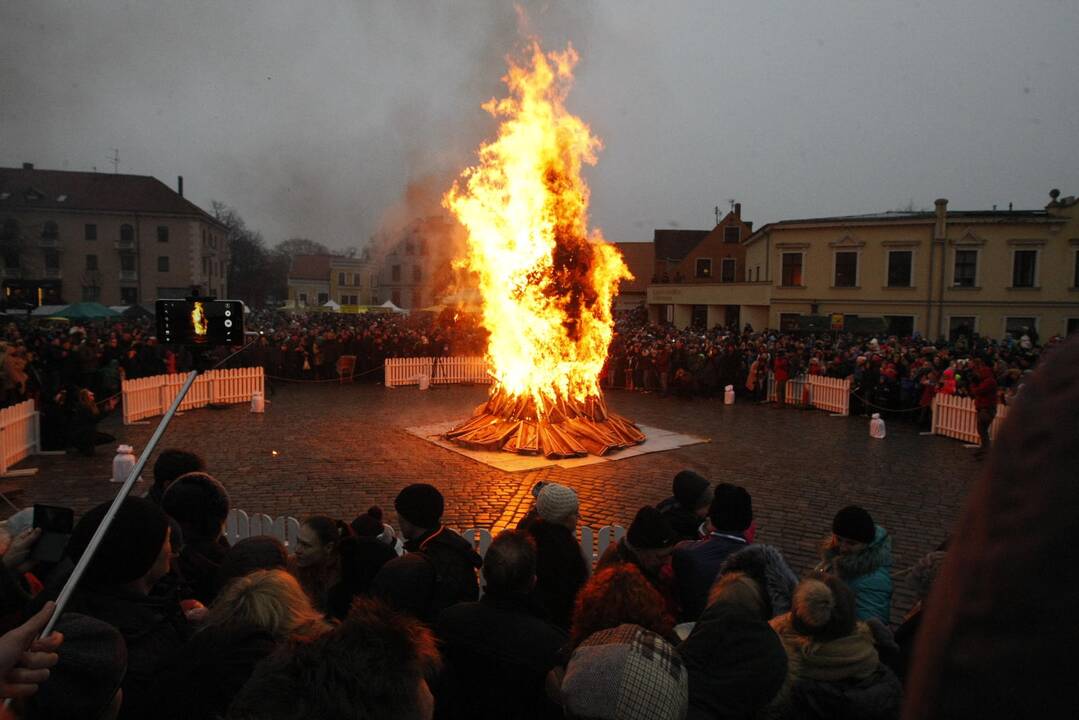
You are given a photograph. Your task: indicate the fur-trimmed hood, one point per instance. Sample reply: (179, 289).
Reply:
(765, 564)
(871, 558)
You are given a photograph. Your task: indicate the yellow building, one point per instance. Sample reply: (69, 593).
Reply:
(940, 273)
(352, 281)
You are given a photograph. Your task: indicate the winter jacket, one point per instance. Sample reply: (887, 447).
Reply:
(696, 565)
(765, 565)
(455, 564)
(868, 573)
(736, 664)
(683, 521)
(663, 581)
(197, 566)
(984, 389)
(497, 653)
(561, 570)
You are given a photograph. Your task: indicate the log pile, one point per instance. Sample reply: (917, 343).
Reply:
(569, 429)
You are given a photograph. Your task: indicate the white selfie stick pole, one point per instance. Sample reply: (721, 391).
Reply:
(125, 490)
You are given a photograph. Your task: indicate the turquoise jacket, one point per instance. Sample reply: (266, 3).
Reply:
(868, 573)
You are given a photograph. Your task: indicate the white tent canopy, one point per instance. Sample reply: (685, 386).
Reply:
(332, 305)
(47, 310)
(389, 304)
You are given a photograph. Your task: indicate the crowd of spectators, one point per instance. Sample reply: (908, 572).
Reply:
(687, 616)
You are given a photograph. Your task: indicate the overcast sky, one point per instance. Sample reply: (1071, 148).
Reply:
(313, 118)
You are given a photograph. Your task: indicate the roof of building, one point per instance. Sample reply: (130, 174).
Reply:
(310, 267)
(33, 189)
(674, 245)
(640, 258)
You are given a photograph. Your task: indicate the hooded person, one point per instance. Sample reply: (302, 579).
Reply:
(696, 564)
(561, 569)
(767, 567)
(200, 505)
(688, 505)
(736, 662)
(451, 559)
(859, 552)
(833, 669)
(648, 545)
(133, 555)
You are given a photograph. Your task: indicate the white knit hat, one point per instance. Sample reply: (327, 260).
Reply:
(556, 502)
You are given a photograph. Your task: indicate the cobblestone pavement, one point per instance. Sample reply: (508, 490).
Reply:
(339, 449)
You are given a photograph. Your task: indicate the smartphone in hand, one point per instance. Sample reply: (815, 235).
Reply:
(56, 524)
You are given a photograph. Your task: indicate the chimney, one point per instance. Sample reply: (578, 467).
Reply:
(180, 185)
(1009, 207)
(738, 211)
(942, 214)
(28, 166)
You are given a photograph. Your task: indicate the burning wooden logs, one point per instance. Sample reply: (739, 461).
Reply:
(569, 429)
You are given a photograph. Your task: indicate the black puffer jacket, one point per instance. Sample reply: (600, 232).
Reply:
(872, 698)
(455, 564)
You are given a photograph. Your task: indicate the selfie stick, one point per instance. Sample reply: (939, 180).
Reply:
(125, 489)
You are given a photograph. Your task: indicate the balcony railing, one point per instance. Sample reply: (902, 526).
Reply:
(50, 241)
(124, 245)
(129, 274)
(52, 273)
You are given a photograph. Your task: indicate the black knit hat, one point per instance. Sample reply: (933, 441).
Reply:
(688, 487)
(650, 530)
(854, 523)
(369, 524)
(731, 509)
(198, 502)
(421, 504)
(129, 548)
(93, 661)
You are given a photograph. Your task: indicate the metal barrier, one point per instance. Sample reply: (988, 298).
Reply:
(438, 370)
(150, 396)
(956, 417)
(20, 433)
(240, 525)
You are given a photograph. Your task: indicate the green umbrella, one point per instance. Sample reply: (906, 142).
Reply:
(86, 311)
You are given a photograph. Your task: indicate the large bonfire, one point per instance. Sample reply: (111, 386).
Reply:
(547, 283)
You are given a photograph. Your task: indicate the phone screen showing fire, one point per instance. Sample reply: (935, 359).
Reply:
(200, 322)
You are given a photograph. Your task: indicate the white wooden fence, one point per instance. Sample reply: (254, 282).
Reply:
(956, 417)
(20, 433)
(149, 396)
(240, 525)
(825, 393)
(439, 370)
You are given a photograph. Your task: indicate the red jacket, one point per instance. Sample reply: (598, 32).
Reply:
(782, 369)
(985, 390)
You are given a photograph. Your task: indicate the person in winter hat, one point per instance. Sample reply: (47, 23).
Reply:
(200, 505)
(833, 669)
(768, 568)
(648, 545)
(688, 505)
(561, 569)
(859, 552)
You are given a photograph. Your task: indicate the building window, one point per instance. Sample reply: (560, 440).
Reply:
(1024, 265)
(52, 260)
(91, 262)
(11, 230)
(900, 268)
(758, 273)
(966, 268)
(1020, 326)
(698, 317)
(1075, 273)
(846, 269)
(726, 270)
(1073, 325)
(788, 322)
(961, 326)
(395, 297)
(395, 274)
(416, 273)
(162, 233)
(91, 231)
(902, 326)
(91, 293)
(50, 230)
(323, 298)
(303, 298)
(11, 259)
(792, 269)
(732, 234)
(704, 268)
(129, 295)
(127, 234)
(127, 262)
(163, 263)
(340, 278)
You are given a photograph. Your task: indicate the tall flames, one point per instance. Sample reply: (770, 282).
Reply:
(199, 322)
(547, 283)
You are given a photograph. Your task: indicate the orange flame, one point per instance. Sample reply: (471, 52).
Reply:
(547, 284)
(198, 320)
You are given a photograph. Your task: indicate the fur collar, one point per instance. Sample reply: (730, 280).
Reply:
(872, 557)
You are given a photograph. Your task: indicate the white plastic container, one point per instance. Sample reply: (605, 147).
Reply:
(728, 395)
(123, 463)
(258, 402)
(425, 381)
(876, 427)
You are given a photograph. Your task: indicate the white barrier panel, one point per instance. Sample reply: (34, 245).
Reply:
(956, 417)
(20, 433)
(793, 395)
(830, 394)
(440, 370)
(150, 396)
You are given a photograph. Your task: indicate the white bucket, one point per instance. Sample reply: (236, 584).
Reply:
(876, 427)
(728, 395)
(258, 403)
(123, 463)
(425, 381)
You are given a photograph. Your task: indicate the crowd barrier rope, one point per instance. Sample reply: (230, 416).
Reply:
(956, 417)
(437, 370)
(150, 396)
(20, 433)
(240, 525)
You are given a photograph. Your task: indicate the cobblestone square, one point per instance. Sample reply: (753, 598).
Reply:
(339, 449)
